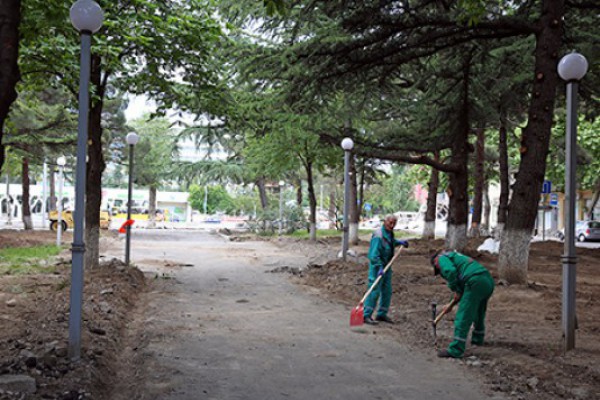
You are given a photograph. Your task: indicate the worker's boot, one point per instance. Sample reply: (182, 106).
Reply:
(444, 354)
(384, 318)
(370, 321)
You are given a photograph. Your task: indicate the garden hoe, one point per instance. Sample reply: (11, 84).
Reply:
(357, 315)
(435, 320)
(433, 326)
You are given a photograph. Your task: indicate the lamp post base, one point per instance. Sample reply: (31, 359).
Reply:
(78, 251)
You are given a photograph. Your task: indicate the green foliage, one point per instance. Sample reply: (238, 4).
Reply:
(143, 46)
(155, 151)
(267, 221)
(471, 11)
(218, 200)
(588, 154)
(27, 260)
(275, 7)
(393, 194)
(40, 126)
(245, 204)
(12, 165)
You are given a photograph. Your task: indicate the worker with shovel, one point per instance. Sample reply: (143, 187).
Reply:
(381, 251)
(472, 285)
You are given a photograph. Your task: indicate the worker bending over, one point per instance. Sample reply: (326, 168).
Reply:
(472, 285)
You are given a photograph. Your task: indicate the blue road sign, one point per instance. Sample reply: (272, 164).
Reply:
(547, 187)
(553, 199)
(368, 206)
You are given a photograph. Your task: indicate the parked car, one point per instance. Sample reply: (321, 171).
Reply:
(587, 230)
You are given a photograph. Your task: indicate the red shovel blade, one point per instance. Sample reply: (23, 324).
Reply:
(357, 316)
(123, 228)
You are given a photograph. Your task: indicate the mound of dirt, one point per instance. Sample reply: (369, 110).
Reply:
(523, 355)
(34, 310)
(21, 238)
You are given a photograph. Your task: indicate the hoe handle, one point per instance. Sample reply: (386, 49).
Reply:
(388, 266)
(445, 311)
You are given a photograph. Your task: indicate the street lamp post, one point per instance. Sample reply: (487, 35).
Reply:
(132, 139)
(205, 199)
(44, 192)
(87, 18)
(61, 161)
(321, 200)
(571, 68)
(8, 203)
(347, 145)
(281, 184)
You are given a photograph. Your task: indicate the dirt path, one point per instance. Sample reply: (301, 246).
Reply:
(524, 354)
(225, 328)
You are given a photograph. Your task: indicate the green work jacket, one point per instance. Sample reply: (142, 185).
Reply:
(382, 247)
(456, 269)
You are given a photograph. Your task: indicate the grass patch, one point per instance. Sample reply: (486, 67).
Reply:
(364, 233)
(303, 234)
(27, 260)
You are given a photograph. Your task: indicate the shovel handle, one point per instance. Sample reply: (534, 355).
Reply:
(445, 311)
(388, 266)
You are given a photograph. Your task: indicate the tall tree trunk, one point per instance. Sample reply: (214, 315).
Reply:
(25, 209)
(10, 18)
(152, 207)
(522, 211)
(298, 185)
(361, 187)
(331, 212)
(354, 214)
(487, 208)
(595, 198)
(262, 193)
(95, 168)
(312, 201)
(504, 180)
(479, 182)
(52, 199)
(458, 207)
(431, 212)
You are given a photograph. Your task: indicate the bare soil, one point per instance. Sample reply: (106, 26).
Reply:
(34, 321)
(524, 354)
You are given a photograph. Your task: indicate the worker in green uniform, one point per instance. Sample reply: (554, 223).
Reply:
(381, 251)
(473, 286)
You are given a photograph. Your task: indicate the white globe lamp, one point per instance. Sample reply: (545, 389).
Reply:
(86, 16)
(572, 67)
(347, 144)
(132, 138)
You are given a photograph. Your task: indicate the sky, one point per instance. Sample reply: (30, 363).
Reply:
(138, 106)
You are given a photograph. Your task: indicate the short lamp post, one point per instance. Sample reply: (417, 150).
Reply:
(205, 199)
(61, 161)
(347, 145)
(571, 68)
(132, 139)
(281, 184)
(87, 17)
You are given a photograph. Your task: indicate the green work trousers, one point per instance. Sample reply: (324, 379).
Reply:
(471, 311)
(381, 292)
